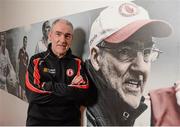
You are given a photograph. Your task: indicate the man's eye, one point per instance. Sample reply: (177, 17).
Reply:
(147, 52)
(125, 51)
(68, 36)
(58, 34)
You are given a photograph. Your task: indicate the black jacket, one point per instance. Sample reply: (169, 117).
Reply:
(51, 100)
(109, 109)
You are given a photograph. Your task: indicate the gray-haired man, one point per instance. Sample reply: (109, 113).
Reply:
(121, 52)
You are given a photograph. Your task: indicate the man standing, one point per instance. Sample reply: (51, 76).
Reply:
(23, 63)
(43, 43)
(7, 72)
(121, 52)
(56, 84)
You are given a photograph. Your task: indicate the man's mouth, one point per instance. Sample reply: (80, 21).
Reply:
(134, 85)
(62, 45)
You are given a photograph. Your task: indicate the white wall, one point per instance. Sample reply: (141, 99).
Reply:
(16, 13)
(22, 12)
(12, 110)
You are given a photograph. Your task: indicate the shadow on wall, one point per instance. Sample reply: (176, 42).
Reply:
(79, 41)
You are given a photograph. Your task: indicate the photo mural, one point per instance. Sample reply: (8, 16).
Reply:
(17, 45)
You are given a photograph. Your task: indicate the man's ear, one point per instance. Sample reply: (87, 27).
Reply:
(94, 57)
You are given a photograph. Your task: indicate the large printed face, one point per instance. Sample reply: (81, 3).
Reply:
(125, 66)
(25, 42)
(61, 38)
(46, 29)
(3, 40)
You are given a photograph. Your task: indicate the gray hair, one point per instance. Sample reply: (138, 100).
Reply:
(62, 20)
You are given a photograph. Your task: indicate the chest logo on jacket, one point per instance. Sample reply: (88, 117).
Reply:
(69, 72)
(48, 70)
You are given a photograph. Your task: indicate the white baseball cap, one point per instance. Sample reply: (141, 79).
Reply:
(118, 22)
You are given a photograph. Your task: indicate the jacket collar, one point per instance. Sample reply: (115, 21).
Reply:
(110, 107)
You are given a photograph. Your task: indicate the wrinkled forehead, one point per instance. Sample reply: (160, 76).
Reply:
(63, 27)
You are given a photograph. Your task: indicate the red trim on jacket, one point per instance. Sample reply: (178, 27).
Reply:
(84, 86)
(31, 87)
(79, 66)
(36, 74)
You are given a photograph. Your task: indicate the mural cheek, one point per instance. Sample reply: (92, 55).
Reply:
(114, 73)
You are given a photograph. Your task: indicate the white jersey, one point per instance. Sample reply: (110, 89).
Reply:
(40, 47)
(7, 73)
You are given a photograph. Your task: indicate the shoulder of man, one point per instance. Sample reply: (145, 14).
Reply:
(77, 58)
(39, 55)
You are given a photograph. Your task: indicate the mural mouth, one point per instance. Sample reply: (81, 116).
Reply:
(133, 85)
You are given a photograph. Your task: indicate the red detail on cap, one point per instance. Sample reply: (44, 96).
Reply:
(159, 29)
(128, 9)
(69, 72)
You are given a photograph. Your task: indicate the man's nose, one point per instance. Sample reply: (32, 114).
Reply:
(62, 38)
(138, 63)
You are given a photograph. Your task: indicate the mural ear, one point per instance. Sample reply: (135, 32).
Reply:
(94, 57)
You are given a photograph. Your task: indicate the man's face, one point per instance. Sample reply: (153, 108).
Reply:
(25, 42)
(125, 67)
(46, 29)
(3, 40)
(61, 38)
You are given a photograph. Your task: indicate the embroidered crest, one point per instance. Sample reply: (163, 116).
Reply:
(128, 10)
(45, 69)
(69, 72)
(48, 70)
